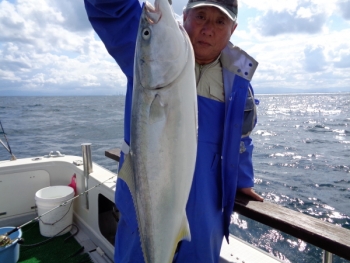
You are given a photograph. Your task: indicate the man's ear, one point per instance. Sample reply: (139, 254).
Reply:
(184, 16)
(233, 28)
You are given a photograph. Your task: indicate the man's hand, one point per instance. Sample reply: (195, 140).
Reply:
(251, 193)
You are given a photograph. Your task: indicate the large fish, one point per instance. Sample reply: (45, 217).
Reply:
(160, 165)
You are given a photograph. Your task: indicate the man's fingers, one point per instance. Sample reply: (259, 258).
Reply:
(251, 192)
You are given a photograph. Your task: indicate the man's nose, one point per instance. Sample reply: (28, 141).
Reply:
(208, 28)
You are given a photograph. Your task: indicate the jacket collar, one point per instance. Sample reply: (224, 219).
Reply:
(238, 62)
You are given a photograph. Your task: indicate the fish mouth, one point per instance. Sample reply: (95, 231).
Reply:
(152, 13)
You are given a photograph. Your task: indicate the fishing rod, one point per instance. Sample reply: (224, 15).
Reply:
(5, 240)
(8, 148)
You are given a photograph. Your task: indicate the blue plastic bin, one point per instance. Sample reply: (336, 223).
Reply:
(10, 253)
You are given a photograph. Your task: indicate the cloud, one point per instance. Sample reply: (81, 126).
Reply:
(291, 17)
(49, 46)
(273, 5)
(13, 65)
(73, 14)
(295, 63)
(314, 59)
(344, 8)
(285, 22)
(344, 62)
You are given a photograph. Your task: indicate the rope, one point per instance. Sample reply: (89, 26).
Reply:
(28, 246)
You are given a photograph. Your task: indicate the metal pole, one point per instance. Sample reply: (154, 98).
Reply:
(13, 157)
(86, 151)
(327, 257)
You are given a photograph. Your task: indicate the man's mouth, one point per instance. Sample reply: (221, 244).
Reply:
(203, 43)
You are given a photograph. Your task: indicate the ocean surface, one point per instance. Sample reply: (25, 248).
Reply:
(301, 156)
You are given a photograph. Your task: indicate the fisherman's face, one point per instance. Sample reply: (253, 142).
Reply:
(209, 30)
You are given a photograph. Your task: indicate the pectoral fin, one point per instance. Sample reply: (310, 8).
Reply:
(157, 110)
(126, 173)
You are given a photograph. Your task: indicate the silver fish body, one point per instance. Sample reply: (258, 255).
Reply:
(160, 165)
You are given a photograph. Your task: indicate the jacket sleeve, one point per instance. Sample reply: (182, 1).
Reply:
(245, 170)
(116, 23)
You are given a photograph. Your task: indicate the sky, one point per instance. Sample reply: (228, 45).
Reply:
(48, 47)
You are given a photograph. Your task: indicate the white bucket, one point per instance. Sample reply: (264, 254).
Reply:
(53, 222)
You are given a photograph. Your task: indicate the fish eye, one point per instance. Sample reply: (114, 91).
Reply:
(146, 33)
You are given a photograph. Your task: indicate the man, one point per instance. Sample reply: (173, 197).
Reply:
(226, 117)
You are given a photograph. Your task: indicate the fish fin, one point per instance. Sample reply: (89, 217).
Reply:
(184, 234)
(157, 110)
(126, 173)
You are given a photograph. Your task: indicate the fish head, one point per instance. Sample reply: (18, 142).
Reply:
(162, 46)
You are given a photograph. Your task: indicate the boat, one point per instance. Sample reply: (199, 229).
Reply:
(95, 213)
(96, 216)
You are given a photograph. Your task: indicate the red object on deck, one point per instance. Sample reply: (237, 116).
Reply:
(73, 184)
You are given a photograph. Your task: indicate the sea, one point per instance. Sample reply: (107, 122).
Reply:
(301, 155)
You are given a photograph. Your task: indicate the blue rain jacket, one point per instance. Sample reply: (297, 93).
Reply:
(224, 156)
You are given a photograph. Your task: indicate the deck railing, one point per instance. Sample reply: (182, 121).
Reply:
(329, 237)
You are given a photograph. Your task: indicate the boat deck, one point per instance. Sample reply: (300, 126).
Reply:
(96, 254)
(97, 225)
(237, 251)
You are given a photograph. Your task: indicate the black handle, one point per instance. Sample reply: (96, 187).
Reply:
(12, 231)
